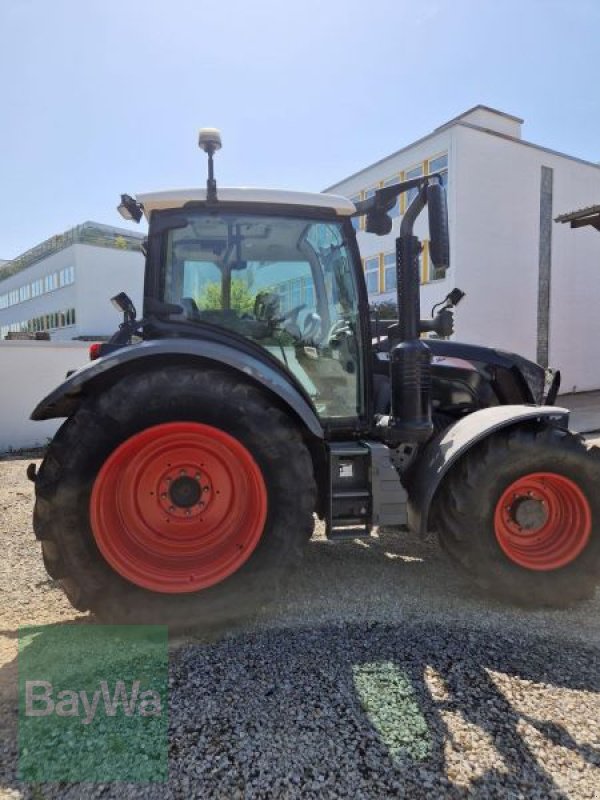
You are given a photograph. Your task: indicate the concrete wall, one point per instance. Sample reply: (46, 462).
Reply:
(496, 236)
(30, 370)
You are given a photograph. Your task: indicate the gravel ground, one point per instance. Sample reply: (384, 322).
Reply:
(380, 673)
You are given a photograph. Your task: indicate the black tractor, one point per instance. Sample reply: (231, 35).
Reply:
(252, 394)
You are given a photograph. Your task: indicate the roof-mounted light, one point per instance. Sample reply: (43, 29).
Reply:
(130, 209)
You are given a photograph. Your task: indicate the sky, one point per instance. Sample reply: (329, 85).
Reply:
(100, 98)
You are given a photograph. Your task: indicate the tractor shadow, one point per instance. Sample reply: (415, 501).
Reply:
(370, 710)
(380, 710)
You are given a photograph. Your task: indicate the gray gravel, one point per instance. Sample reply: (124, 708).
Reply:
(380, 673)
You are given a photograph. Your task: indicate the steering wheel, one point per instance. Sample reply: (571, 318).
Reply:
(292, 314)
(289, 321)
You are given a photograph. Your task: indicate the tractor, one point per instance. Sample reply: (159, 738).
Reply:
(252, 394)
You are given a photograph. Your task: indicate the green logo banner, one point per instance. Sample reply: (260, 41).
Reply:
(93, 703)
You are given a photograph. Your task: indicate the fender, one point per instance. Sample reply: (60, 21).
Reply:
(66, 398)
(442, 453)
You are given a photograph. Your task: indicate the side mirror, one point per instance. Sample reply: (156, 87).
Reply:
(122, 302)
(439, 245)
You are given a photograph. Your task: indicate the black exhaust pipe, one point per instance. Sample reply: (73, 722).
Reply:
(410, 357)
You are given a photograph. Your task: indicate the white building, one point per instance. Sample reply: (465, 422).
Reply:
(64, 284)
(532, 286)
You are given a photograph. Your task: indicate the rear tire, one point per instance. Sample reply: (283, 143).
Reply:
(557, 560)
(73, 503)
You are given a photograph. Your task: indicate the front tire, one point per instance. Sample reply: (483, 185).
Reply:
(520, 514)
(178, 496)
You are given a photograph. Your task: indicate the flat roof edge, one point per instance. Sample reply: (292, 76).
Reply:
(461, 123)
(481, 107)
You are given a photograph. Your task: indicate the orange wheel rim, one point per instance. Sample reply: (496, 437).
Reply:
(178, 507)
(543, 521)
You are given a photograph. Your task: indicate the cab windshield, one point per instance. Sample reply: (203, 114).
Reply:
(285, 283)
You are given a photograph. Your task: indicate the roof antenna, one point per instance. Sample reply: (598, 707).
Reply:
(209, 140)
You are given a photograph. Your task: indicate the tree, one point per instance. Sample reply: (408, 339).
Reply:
(242, 299)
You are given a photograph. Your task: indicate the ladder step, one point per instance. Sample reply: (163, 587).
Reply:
(348, 534)
(345, 450)
(349, 495)
(348, 522)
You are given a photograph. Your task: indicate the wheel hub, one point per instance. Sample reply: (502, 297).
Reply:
(528, 513)
(185, 492)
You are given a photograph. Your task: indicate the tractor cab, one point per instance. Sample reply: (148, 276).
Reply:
(280, 269)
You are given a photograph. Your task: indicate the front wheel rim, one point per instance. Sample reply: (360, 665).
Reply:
(543, 521)
(178, 507)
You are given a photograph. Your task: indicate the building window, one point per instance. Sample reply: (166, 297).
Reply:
(309, 293)
(356, 220)
(415, 172)
(66, 276)
(395, 211)
(3, 301)
(372, 274)
(440, 164)
(51, 282)
(296, 292)
(389, 272)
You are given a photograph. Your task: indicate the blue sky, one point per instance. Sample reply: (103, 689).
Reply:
(100, 98)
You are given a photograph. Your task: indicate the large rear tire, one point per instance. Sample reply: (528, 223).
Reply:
(520, 514)
(176, 496)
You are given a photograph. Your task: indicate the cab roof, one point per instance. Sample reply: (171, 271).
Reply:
(177, 198)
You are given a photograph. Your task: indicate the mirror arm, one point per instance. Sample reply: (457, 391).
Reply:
(384, 198)
(413, 211)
